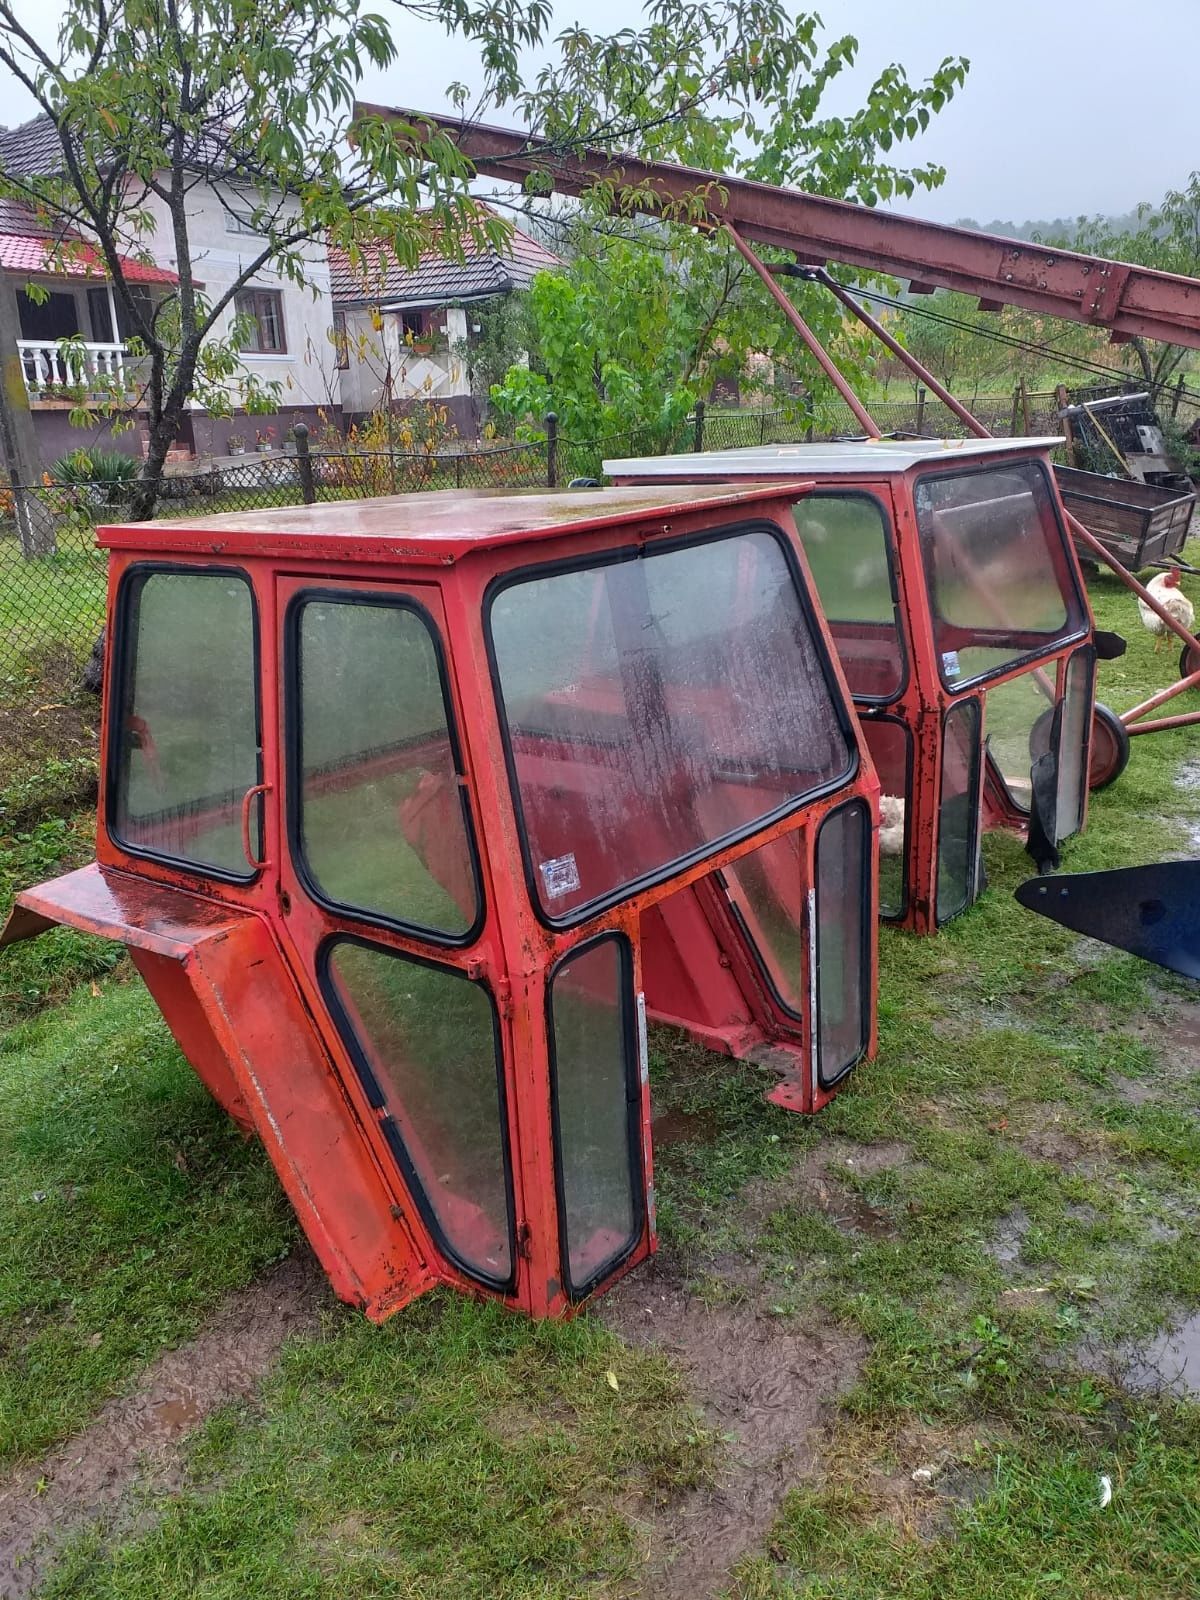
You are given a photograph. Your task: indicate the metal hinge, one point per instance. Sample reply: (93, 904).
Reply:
(504, 998)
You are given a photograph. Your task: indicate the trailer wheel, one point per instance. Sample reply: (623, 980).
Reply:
(1109, 750)
(1189, 661)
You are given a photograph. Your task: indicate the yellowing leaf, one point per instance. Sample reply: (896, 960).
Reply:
(612, 1381)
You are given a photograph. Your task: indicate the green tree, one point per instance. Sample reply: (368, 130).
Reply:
(255, 98)
(645, 318)
(977, 352)
(1166, 236)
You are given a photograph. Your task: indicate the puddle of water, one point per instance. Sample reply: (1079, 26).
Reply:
(1171, 1362)
(1005, 1248)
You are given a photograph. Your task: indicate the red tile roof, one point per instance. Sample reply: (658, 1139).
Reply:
(23, 252)
(437, 279)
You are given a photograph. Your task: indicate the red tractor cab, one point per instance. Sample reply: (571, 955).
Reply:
(960, 616)
(411, 809)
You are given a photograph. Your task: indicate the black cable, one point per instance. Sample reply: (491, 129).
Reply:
(1012, 341)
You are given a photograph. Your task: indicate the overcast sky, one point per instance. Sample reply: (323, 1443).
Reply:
(1068, 108)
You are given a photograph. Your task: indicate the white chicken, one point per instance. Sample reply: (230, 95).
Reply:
(891, 825)
(1165, 589)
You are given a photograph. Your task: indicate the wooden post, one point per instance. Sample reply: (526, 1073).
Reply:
(308, 487)
(1016, 412)
(698, 440)
(35, 526)
(1026, 420)
(921, 397)
(1063, 400)
(551, 450)
(1176, 398)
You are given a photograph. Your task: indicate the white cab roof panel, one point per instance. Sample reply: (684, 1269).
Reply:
(855, 458)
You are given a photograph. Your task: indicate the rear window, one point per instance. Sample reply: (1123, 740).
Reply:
(658, 703)
(848, 542)
(1002, 585)
(184, 721)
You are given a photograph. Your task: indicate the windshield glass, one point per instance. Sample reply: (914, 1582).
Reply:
(1002, 587)
(659, 702)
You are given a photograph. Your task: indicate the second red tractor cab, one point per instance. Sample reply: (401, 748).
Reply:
(954, 596)
(411, 809)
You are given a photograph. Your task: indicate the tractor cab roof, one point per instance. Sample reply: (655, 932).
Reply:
(436, 528)
(856, 458)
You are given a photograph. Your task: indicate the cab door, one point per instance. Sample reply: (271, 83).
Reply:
(383, 888)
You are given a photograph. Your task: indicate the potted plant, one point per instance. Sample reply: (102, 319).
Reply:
(235, 444)
(265, 438)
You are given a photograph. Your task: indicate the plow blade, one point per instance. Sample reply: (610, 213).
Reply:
(1152, 912)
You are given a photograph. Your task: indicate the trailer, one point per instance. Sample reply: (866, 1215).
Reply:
(1139, 524)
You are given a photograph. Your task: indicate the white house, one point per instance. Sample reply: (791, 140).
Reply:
(402, 332)
(291, 343)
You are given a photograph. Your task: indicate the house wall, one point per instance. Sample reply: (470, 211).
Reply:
(381, 362)
(307, 373)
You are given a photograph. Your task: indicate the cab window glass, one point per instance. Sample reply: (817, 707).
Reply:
(657, 704)
(381, 817)
(1002, 587)
(424, 1042)
(848, 543)
(597, 1110)
(185, 719)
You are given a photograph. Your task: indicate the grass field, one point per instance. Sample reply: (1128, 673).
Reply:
(990, 1226)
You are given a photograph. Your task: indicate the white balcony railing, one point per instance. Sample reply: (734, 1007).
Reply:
(60, 369)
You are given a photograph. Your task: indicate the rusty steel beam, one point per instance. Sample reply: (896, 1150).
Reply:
(1127, 300)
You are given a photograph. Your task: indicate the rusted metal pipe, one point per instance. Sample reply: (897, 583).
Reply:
(1186, 719)
(828, 366)
(1136, 713)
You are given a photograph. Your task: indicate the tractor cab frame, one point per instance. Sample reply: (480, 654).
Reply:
(954, 596)
(412, 809)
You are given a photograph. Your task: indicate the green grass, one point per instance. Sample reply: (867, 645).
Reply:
(461, 1451)
(456, 1454)
(128, 1205)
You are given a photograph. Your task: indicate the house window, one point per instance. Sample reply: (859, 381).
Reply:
(341, 341)
(264, 307)
(413, 326)
(236, 223)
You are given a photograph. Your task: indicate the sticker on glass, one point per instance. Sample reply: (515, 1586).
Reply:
(950, 666)
(559, 876)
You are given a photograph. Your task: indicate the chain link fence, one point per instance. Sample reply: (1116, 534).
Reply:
(52, 578)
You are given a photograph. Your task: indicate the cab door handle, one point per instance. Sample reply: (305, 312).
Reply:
(248, 800)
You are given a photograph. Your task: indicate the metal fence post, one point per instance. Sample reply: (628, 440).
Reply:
(921, 396)
(308, 486)
(762, 427)
(698, 442)
(551, 450)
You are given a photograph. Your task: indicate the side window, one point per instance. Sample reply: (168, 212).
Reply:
(184, 724)
(424, 1043)
(596, 1102)
(380, 820)
(958, 810)
(848, 543)
(843, 940)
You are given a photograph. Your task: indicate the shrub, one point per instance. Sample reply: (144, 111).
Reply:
(108, 467)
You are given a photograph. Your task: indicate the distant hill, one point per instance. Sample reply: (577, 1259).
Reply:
(1057, 228)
